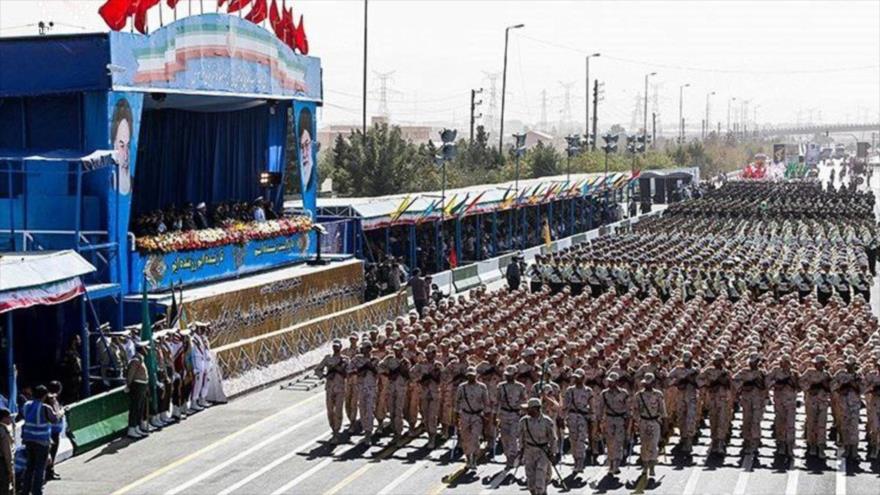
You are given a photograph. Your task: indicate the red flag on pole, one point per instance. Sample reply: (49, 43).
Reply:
(236, 5)
(258, 12)
(115, 13)
(287, 23)
(140, 16)
(220, 3)
(275, 19)
(172, 3)
(453, 258)
(299, 37)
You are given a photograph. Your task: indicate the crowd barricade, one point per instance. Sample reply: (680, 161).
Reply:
(256, 353)
(97, 420)
(466, 278)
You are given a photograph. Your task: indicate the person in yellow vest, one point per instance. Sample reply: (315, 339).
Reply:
(36, 435)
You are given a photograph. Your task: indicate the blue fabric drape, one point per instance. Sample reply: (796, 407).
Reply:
(188, 157)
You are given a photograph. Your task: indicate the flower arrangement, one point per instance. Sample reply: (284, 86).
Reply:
(238, 233)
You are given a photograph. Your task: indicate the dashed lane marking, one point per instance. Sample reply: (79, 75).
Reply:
(265, 469)
(208, 448)
(241, 455)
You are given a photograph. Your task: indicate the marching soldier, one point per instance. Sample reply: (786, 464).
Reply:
(614, 411)
(684, 378)
(578, 408)
(396, 369)
(715, 381)
(784, 381)
(333, 367)
(752, 391)
(846, 386)
(490, 373)
(429, 374)
(871, 385)
(650, 406)
(366, 368)
(512, 397)
(351, 385)
(816, 384)
(472, 404)
(538, 440)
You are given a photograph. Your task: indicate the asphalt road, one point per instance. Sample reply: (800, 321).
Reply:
(275, 441)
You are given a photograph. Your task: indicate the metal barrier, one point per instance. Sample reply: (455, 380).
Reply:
(97, 420)
(466, 278)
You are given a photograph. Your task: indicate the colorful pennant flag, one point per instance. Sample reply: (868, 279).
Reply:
(473, 203)
(404, 205)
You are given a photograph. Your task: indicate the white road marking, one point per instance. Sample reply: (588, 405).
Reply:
(742, 480)
(314, 469)
(840, 478)
(241, 455)
(263, 470)
(693, 480)
(791, 485)
(405, 476)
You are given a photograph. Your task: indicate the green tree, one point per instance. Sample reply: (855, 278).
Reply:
(543, 160)
(380, 164)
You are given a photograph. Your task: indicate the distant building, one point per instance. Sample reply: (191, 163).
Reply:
(534, 137)
(418, 134)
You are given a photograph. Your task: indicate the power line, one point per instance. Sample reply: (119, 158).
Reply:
(701, 69)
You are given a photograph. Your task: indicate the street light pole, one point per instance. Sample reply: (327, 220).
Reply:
(681, 112)
(729, 100)
(364, 116)
(587, 120)
(645, 132)
(711, 93)
(504, 84)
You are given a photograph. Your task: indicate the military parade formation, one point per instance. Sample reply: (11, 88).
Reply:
(751, 300)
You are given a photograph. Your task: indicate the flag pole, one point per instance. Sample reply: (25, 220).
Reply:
(202, 6)
(161, 21)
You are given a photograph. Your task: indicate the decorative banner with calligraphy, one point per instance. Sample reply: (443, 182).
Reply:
(188, 267)
(239, 358)
(258, 310)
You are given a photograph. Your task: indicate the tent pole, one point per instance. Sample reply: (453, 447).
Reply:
(85, 352)
(494, 233)
(12, 209)
(10, 366)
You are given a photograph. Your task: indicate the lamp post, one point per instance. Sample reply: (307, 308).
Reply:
(504, 83)
(729, 100)
(518, 150)
(706, 133)
(447, 153)
(587, 86)
(610, 147)
(573, 148)
(364, 115)
(645, 130)
(681, 112)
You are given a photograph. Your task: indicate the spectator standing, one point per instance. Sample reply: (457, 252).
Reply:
(513, 274)
(55, 389)
(71, 366)
(7, 453)
(419, 291)
(136, 382)
(36, 435)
